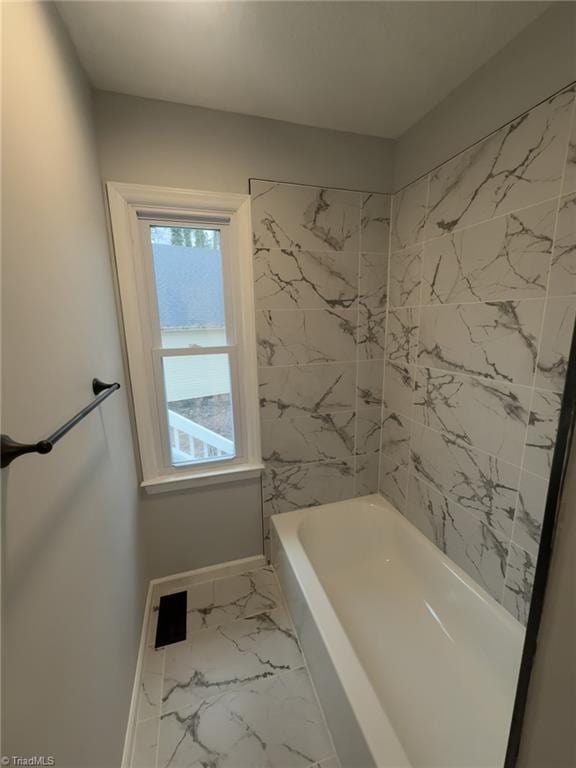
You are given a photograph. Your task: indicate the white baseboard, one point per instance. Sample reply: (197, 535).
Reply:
(155, 586)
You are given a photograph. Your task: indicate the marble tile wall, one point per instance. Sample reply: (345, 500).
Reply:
(321, 275)
(482, 302)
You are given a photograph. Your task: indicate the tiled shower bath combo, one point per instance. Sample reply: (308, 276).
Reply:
(423, 354)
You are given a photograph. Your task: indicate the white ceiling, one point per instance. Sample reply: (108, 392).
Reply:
(367, 67)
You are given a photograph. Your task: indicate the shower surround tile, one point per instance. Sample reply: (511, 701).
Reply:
(225, 658)
(367, 468)
(308, 439)
(395, 445)
(519, 583)
(408, 218)
(393, 482)
(368, 430)
(274, 722)
(306, 485)
(563, 272)
(321, 280)
(290, 337)
(474, 546)
(480, 413)
(557, 334)
(518, 166)
(292, 279)
(305, 218)
(291, 391)
(405, 277)
(402, 338)
(375, 223)
(370, 382)
(482, 484)
(371, 333)
(542, 430)
(496, 340)
(530, 512)
(373, 280)
(399, 387)
(506, 258)
(476, 356)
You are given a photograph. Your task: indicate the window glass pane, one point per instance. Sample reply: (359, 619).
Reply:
(200, 415)
(189, 286)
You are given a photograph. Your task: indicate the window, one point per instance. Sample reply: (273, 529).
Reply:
(184, 272)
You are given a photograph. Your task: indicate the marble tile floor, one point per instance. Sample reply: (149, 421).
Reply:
(236, 693)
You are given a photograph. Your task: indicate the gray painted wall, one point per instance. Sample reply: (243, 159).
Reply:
(157, 142)
(536, 64)
(73, 579)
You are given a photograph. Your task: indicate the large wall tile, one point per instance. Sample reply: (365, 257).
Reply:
(294, 279)
(288, 337)
(306, 485)
(395, 443)
(519, 582)
(405, 277)
(542, 430)
(369, 385)
(393, 482)
(517, 166)
(368, 422)
(530, 512)
(563, 272)
(555, 345)
(482, 484)
(399, 387)
(476, 548)
(375, 223)
(498, 340)
(373, 280)
(371, 333)
(367, 474)
(309, 438)
(506, 258)
(307, 218)
(409, 215)
(481, 413)
(402, 338)
(290, 391)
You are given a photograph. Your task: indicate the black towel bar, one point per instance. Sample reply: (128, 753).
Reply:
(10, 449)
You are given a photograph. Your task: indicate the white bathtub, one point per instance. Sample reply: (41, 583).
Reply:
(414, 664)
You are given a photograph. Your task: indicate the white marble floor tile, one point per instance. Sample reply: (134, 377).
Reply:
(275, 722)
(236, 597)
(145, 744)
(151, 684)
(225, 658)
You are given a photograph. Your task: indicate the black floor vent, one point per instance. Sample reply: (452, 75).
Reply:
(171, 627)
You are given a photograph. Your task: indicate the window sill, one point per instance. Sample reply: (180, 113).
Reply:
(167, 483)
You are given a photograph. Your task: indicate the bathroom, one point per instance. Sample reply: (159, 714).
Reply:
(288, 477)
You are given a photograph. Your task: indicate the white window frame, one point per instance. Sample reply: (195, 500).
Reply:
(134, 269)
